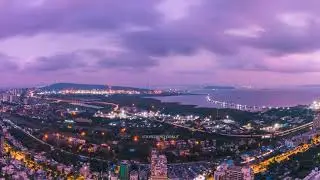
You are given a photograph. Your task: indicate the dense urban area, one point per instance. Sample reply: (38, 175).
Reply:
(70, 132)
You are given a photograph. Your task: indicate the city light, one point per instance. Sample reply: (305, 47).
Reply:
(136, 138)
(123, 130)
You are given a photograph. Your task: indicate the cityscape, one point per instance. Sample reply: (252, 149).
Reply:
(120, 135)
(159, 90)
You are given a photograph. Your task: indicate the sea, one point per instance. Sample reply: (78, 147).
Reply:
(251, 97)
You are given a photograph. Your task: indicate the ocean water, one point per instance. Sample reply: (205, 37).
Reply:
(250, 97)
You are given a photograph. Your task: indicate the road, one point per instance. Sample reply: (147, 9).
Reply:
(263, 166)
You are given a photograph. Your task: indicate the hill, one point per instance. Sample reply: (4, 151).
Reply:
(219, 87)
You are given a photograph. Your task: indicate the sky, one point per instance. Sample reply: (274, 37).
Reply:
(160, 42)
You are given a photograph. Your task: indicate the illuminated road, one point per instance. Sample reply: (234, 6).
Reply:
(263, 166)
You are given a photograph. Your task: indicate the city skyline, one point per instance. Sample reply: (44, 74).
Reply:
(161, 42)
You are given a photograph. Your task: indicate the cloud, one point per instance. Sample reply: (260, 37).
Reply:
(29, 18)
(224, 27)
(56, 62)
(89, 60)
(297, 19)
(250, 32)
(7, 64)
(275, 36)
(255, 60)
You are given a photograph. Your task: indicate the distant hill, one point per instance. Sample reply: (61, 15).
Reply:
(219, 87)
(61, 86)
(310, 86)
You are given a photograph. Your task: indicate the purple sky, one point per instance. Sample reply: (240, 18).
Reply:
(164, 42)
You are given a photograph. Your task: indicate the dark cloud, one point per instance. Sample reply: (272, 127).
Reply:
(57, 62)
(127, 61)
(204, 27)
(23, 18)
(281, 41)
(90, 60)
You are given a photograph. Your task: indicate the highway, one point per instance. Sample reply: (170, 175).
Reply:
(263, 166)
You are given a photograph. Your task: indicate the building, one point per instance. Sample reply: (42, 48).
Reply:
(220, 173)
(113, 176)
(4, 97)
(316, 121)
(25, 101)
(1, 144)
(124, 171)
(134, 175)
(232, 172)
(247, 173)
(85, 170)
(143, 175)
(159, 169)
(11, 98)
(314, 175)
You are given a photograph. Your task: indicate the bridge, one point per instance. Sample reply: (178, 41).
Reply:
(231, 105)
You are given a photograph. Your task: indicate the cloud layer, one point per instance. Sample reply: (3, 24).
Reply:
(210, 41)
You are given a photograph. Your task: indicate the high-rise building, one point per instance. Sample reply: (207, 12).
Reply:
(11, 98)
(231, 172)
(143, 175)
(4, 97)
(234, 173)
(124, 171)
(220, 173)
(158, 166)
(25, 101)
(247, 173)
(316, 120)
(134, 175)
